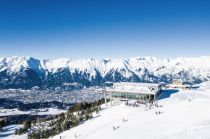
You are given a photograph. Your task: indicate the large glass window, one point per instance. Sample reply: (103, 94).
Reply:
(132, 96)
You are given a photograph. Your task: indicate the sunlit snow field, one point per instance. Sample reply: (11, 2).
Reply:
(184, 114)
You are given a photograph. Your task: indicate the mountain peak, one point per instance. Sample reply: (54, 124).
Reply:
(92, 71)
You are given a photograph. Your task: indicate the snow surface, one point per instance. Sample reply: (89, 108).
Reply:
(142, 88)
(9, 131)
(197, 67)
(50, 111)
(184, 115)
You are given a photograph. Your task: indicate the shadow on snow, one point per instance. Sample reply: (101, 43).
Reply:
(7, 131)
(167, 93)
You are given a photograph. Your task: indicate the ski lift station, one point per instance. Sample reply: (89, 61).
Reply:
(126, 91)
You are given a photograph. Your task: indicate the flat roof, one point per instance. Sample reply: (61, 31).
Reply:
(137, 88)
(136, 84)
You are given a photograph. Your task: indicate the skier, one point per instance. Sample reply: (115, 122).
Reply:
(150, 106)
(124, 120)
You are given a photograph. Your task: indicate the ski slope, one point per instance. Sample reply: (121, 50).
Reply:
(184, 115)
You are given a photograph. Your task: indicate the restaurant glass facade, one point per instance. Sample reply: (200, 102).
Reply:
(132, 96)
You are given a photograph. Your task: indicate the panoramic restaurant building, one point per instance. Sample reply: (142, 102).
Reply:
(125, 91)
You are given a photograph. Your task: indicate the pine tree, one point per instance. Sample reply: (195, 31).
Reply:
(26, 124)
(2, 124)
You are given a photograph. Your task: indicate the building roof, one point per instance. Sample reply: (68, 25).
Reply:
(137, 88)
(136, 84)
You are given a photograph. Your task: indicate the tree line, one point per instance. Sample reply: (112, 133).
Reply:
(75, 115)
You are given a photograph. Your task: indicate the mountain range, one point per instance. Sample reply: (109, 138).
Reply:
(27, 72)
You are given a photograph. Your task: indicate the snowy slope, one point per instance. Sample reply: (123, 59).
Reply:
(181, 119)
(185, 115)
(50, 111)
(9, 131)
(89, 72)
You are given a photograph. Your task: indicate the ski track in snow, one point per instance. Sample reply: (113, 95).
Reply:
(180, 119)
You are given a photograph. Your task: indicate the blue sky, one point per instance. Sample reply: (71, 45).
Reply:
(104, 28)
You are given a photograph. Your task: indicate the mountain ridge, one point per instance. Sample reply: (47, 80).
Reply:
(26, 72)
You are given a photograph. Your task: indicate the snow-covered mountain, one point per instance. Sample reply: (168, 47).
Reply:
(26, 72)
